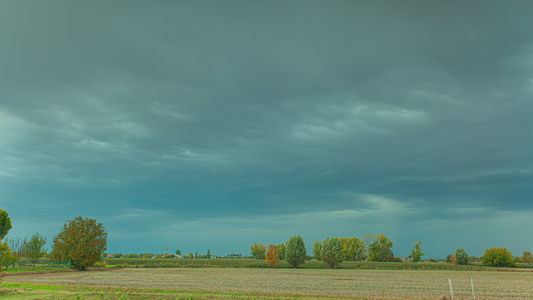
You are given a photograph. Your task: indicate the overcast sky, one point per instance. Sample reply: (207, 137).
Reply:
(216, 124)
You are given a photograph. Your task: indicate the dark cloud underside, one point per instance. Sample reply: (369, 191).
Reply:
(381, 116)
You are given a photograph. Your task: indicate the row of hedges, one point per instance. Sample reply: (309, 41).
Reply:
(257, 263)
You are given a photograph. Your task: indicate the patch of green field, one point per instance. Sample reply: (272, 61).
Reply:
(30, 291)
(26, 270)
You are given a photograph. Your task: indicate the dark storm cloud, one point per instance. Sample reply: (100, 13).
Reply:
(382, 116)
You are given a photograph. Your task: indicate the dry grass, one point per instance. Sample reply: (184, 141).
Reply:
(307, 282)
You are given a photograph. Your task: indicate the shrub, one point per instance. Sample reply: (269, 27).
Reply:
(497, 257)
(295, 251)
(331, 252)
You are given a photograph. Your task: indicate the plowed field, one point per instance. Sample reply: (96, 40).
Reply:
(306, 282)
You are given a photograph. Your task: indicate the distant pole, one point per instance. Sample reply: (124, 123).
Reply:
(472, 284)
(451, 288)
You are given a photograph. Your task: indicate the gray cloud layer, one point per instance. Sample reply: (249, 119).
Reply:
(214, 119)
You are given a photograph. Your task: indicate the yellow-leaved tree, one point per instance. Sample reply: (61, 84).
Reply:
(353, 249)
(272, 256)
(258, 251)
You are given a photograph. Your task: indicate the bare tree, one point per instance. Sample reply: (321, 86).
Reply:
(18, 246)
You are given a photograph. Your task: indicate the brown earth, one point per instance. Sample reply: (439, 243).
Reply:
(306, 282)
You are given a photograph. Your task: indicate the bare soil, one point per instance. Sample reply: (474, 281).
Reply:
(306, 282)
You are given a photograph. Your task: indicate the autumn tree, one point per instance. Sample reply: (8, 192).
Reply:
(380, 249)
(353, 249)
(416, 253)
(258, 250)
(461, 257)
(272, 256)
(7, 257)
(317, 248)
(497, 257)
(5, 223)
(35, 247)
(453, 259)
(331, 252)
(295, 251)
(527, 257)
(281, 250)
(82, 241)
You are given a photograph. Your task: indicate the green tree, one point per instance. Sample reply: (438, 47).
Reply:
(272, 256)
(461, 257)
(178, 252)
(36, 247)
(295, 251)
(258, 251)
(281, 250)
(208, 253)
(5, 223)
(416, 253)
(353, 249)
(380, 249)
(497, 257)
(82, 241)
(331, 252)
(317, 249)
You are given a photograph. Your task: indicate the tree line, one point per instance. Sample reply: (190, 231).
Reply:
(331, 251)
(378, 248)
(83, 241)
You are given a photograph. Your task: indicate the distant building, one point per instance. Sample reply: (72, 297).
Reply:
(233, 255)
